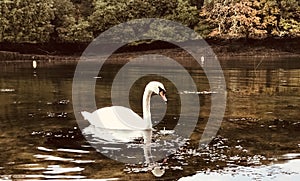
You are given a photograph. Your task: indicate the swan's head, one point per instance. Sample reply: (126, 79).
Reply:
(158, 88)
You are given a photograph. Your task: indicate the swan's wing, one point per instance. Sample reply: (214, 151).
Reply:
(116, 117)
(102, 135)
(92, 118)
(130, 118)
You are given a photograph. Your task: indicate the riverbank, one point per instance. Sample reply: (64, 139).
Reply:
(222, 48)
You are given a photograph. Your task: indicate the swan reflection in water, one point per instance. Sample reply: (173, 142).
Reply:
(123, 145)
(120, 133)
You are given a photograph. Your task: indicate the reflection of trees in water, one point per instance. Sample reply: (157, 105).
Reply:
(267, 81)
(264, 93)
(35, 93)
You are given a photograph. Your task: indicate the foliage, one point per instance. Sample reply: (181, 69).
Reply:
(108, 13)
(252, 18)
(39, 21)
(290, 18)
(69, 26)
(185, 13)
(269, 13)
(26, 20)
(233, 19)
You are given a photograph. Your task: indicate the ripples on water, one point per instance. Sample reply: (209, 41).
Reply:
(259, 138)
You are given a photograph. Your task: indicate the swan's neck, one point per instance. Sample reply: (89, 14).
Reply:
(146, 107)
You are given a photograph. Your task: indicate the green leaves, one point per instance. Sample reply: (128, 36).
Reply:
(108, 13)
(69, 25)
(232, 19)
(82, 20)
(26, 20)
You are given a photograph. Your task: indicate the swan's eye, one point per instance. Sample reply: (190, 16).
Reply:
(162, 90)
(162, 93)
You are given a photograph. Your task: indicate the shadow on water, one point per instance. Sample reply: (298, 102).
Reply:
(258, 139)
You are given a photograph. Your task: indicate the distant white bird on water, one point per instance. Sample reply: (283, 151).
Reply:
(202, 60)
(34, 64)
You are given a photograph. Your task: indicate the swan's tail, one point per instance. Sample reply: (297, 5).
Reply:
(91, 118)
(86, 115)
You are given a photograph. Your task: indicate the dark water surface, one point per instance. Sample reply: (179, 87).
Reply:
(259, 138)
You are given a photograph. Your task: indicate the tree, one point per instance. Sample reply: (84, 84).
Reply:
(84, 7)
(269, 13)
(108, 13)
(233, 19)
(245, 21)
(290, 18)
(26, 20)
(197, 3)
(185, 14)
(69, 26)
(253, 18)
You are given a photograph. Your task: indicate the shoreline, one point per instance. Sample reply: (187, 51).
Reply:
(120, 59)
(7, 56)
(223, 49)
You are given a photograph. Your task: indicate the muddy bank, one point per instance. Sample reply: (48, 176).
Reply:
(222, 48)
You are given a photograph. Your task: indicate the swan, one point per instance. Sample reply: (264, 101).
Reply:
(123, 118)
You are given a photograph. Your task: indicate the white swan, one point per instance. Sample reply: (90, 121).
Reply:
(122, 118)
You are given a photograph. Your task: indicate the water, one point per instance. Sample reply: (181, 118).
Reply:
(258, 139)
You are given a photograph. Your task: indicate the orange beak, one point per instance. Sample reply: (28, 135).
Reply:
(163, 96)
